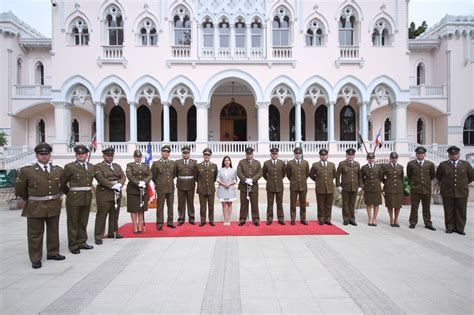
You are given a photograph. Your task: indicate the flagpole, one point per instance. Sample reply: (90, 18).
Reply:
(362, 140)
(376, 137)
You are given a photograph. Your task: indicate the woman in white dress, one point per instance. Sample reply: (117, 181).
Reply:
(226, 178)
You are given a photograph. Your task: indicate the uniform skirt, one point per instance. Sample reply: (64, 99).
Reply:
(393, 200)
(133, 203)
(372, 198)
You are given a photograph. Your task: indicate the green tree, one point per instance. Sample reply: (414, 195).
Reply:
(414, 32)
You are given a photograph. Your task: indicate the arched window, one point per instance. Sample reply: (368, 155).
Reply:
(387, 129)
(114, 25)
(348, 124)
(274, 123)
(233, 122)
(321, 123)
(348, 26)
(371, 128)
(420, 74)
(292, 125)
(256, 33)
(79, 32)
(19, 71)
(147, 35)
(75, 130)
(315, 33)
(240, 32)
(143, 124)
(420, 131)
(208, 33)
(182, 27)
(224, 34)
(39, 73)
(468, 132)
(381, 35)
(192, 126)
(117, 124)
(173, 125)
(41, 131)
(281, 27)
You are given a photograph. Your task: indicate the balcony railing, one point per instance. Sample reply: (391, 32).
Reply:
(223, 53)
(429, 91)
(231, 147)
(432, 154)
(120, 147)
(113, 52)
(181, 51)
(342, 146)
(207, 53)
(256, 53)
(32, 90)
(349, 52)
(240, 53)
(156, 147)
(282, 52)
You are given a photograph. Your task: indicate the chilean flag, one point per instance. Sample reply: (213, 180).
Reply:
(149, 161)
(378, 139)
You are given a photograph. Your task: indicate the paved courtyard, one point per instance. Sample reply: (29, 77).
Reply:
(372, 270)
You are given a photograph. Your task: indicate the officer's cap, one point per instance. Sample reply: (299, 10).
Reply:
(350, 151)
(207, 151)
(420, 149)
(166, 148)
(137, 153)
(274, 150)
(370, 155)
(323, 151)
(81, 149)
(109, 151)
(298, 150)
(185, 149)
(249, 150)
(393, 155)
(453, 150)
(43, 148)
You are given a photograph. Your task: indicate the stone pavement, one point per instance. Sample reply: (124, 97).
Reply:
(372, 270)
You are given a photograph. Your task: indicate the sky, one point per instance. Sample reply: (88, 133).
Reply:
(37, 13)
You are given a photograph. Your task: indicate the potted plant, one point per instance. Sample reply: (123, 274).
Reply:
(3, 141)
(406, 199)
(13, 202)
(435, 192)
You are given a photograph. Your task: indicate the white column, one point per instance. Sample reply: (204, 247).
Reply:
(199, 41)
(202, 112)
(232, 44)
(133, 122)
(99, 121)
(62, 125)
(365, 122)
(166, 122)
(248, 40)
(331, 121)
(264, 40)
(400, 110)
(298, 122)
(263, 121)
(216, 40)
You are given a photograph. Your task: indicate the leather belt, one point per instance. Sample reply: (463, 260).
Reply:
(45, 198)
(80, 189)
(186, 177)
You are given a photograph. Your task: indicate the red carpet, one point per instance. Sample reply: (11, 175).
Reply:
(188, 230)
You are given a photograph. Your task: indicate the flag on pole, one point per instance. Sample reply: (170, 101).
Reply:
(149, 161)
(360, 141)
(93, 145)
(378, 138)
(72, 141)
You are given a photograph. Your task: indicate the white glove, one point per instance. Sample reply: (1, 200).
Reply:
(117, 186)
(339, 189)
(249, 181)
(359, 190)
(141, 184)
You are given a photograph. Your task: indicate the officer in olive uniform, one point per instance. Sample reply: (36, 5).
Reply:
(78, 177)
(40, 186)
(324, 173)
(274, 170)
(455, 176)
(297, 172)
(349, 183)
(372, 175)
(420, 173)
(139, 175)
(163, 173)
(110, 178)
(393, 188)
(185, 173)
(206, 175)
(249, 172)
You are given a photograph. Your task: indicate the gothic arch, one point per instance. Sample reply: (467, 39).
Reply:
(180, 80)
(283, 79)
(105, 83)
(386, 16)
(142, 82)
(355, 82)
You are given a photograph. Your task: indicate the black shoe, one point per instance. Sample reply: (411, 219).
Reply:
(397, 225)
(281, 222)
(369, 224)
(171, 226)
(461, 232)
(392, 225)
(411, 226)
(56, 257)
(192, 222)
(449, 231)
(269, 222)
(159, 227)
(180, 223)
(293, 222)
(118, 236)
(345, 222)
(256, 223)
(75, 251)
(329, 223)
(353, 223)
(86, 246)
(36, 264)
(304, 222)
(374, 224)
(430, 227)
(241, 223)
(321, 222)
(212, 224)
(202, 223)
(98, 242)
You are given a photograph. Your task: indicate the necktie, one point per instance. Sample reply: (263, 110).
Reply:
(324, 164)
(84, 166)
(111, 166)
(46, 169)
(186, 162)
(207, 165)
(453, 163)
(298, 162)
(421, 163)
(274, 162)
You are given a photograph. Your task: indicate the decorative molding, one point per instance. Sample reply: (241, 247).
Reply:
(263, 105)
(282, 92)
(381, 93)
(182, 93)
(60, 104)
(232, 8)
(347, 92)
(202, 105)
(314, 92)
(80, 94)
(149, 93)
(116, 93)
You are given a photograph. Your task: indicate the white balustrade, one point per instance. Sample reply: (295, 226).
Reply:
(342, 146)
(19, 160)
(32, 90)
(207, 53)
(240, 53)
(223, 53)
(314, 146)
(113, 52)
(120, 147)
(349, 52)
(231, 147)
(282, 52)
(424, 90)
(181, 51)
(256, 53)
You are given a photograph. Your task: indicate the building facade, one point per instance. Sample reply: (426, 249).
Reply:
(230, 74)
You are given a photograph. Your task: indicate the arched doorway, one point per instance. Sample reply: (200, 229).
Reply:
(321, 123)
(274, 123)
(191, 122)
(420, 131)
(173, 124)
(117, 125)
(75, 130)
(233, 123)
(348, 124)
(387, 130)
(143, 124)
(41, 132)
(292, 125)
